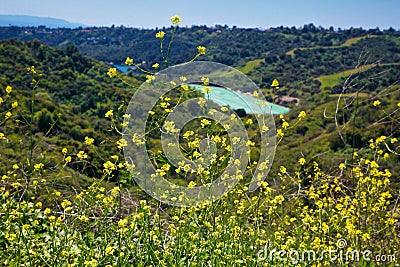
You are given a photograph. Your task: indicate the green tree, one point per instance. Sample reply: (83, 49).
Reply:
(44, 120)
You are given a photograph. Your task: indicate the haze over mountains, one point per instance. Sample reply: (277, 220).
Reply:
(25, 20)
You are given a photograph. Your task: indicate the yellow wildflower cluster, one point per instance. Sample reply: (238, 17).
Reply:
(150, 78)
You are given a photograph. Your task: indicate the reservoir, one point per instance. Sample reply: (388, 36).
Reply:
(123, 68)
(236, 100)
(227, 97)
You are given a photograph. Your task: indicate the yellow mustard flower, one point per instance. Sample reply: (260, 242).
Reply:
(109, 167)
(175, 20)
(302, 161)
(109, 250)
(109, 113)
(88, 140)
(160, 34)
(279, 133)
(205, 122)
(275, 83)
(342, 166)
(31, 69)
(112, 72)
(121, 143)
(82, 155)
(150, 78)
(205, 80)
(129, 61)
(68, 159)
(206, 89)
(302, 114)
(38, 166)
(201, 50)
(8, 89)
(83, 218)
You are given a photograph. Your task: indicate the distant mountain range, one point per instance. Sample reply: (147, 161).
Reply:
(24, 20)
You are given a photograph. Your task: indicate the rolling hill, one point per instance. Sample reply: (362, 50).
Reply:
(73, 93)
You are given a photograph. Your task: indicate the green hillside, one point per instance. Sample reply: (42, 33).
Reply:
(67, 194)
(78, 88)
(69, 103)
(348, 42)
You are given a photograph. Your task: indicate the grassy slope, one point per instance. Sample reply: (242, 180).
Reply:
(331, 80)
(250, 65)
(348, 42)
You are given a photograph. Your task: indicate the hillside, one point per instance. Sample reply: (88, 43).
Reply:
(231, 46)
(297, 57)
(73, 93)
(78, 88)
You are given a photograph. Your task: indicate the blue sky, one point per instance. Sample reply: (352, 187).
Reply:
(243, 13)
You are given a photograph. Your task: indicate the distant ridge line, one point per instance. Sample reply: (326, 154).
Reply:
(34, 21)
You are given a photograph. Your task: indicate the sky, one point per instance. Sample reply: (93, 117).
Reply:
(242, 13)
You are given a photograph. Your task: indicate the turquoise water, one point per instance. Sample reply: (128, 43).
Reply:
(235, 100)
(123, 68)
